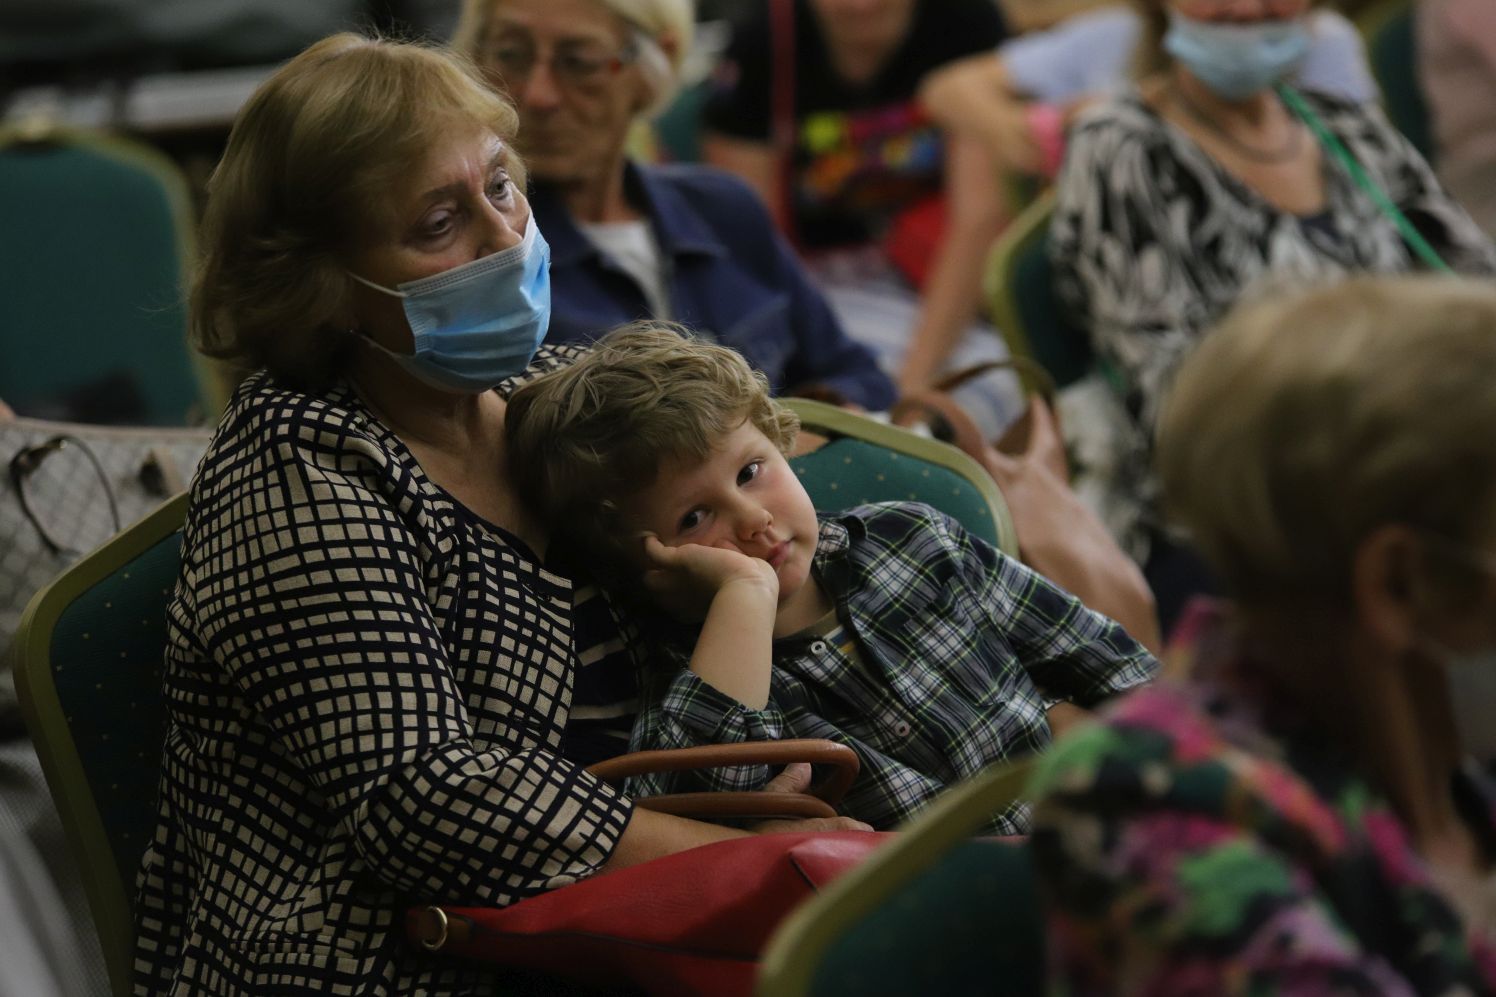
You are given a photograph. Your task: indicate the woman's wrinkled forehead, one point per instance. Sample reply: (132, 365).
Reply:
(393, 190)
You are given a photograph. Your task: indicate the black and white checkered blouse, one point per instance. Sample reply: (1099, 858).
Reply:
(367, 690)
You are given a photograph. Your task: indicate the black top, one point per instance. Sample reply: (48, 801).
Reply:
(862, 152)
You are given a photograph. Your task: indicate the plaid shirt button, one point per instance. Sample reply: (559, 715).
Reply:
(902, 728)
(818, 647)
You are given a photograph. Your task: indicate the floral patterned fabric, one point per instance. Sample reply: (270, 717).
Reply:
(1186, 845)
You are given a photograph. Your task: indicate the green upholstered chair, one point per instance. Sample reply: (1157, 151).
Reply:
(95, 245)
(1022, 302)
(935, 912)
(1391, 45)
(89, 649)
(867, 461)
(88, 657)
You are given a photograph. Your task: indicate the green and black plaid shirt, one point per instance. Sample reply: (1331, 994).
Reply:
(958, 652)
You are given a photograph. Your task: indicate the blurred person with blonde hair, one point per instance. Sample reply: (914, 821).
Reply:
(629, 240)
(1307, 809)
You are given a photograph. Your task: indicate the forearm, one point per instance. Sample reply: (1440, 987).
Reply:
(734, 652)
(1063, 717)
(951, 299)
(651, 835)
(977, 214)
(959, 96)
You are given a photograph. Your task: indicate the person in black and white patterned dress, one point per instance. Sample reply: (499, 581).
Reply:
(1199, 186)
(372, 662)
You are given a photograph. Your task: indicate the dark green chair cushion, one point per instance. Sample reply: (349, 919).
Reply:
(848, 472)
(1393, 50)
(93, 285)
(968, 925)
(1061, 347)
(107, 653)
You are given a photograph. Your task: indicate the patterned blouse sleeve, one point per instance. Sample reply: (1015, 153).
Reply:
(309, 592)
(1410, 183)
(1148, 887)
(1120, 246)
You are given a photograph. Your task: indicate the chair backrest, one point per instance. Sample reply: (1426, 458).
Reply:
(868, 461)
(1022, 301)
(933, 912)
(1391, 44)
(88, 658)
(95, 245)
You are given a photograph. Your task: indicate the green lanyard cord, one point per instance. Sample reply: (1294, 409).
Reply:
(1328, 139)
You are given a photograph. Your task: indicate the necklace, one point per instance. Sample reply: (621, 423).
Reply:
(1282, 154)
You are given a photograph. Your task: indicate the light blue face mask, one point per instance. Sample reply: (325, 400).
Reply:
(1472, 697)
(1237, 60)
(1471, 674)
(479, 323)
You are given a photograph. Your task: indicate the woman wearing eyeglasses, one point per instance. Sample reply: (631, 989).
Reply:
(684, 243)
(1179, 196)
(1310, 810)
(372, 675)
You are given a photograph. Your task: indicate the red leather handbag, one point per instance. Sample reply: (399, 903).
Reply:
(691, 923)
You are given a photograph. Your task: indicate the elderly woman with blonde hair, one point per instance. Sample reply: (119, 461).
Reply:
(1309, 811)
(372, 679)
(685, 243)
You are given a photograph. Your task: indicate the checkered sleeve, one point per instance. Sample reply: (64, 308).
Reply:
(686, 712)
(1072, 653)
(307, 577)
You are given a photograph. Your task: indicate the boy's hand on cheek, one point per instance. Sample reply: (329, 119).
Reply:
(684, 580)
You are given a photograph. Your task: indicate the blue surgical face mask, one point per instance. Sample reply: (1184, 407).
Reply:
(1471, 675)
(480, 323)
(1471, 679)
(1237, 60)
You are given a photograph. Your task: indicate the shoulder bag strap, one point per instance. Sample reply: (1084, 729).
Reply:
(1331, 142)
(782, 106)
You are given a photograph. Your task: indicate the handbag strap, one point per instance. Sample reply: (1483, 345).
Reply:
(820, 802)
(950, 423)
(1037, 373)
(947, 420)
(1415, 240)
(782, 107)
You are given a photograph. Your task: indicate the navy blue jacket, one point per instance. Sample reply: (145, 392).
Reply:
(729, 275)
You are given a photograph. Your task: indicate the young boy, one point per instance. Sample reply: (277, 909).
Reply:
(886, 627)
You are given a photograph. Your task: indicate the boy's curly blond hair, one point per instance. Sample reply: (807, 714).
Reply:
(583, 438)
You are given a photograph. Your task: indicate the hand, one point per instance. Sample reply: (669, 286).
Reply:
(684, 580)
(796, 779)
(1064, 717)
(1009, 138)
(1062, 539)
(809, 825)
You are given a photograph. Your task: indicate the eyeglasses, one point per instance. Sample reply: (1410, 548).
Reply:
(576, 67)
